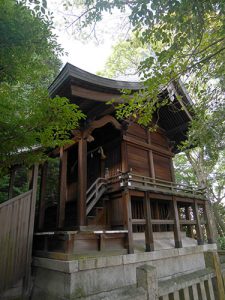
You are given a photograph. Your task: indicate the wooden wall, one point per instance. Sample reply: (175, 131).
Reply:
(148, 153)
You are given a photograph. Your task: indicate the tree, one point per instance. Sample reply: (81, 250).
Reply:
(195, 167)
(185, 37)
(125, 59)
(30, 121)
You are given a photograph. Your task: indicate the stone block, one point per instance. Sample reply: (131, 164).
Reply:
(147, 279)
(109, 261)
(86, 264)
(57, 265)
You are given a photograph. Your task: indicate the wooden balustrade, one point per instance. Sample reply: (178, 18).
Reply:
(152, 184)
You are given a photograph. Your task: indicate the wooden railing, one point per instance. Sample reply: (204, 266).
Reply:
(16, 235)
(198, 284)
(201, 284)
(94, 193)
(144, 183)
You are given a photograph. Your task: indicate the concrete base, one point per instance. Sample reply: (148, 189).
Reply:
(13, 293)
(88, 278)
(162, 240)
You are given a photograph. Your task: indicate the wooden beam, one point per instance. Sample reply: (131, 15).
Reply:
(41, 207)
(151, 163)
(105, 120)
(147, 146)
(82, 181)
(155, 195)
(94, 95)
(177, 233)
(149, 241)
(128, 219)
(63, 189)
(153, 221)
(198, 224)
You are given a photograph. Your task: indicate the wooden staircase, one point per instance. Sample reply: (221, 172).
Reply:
(95, 211)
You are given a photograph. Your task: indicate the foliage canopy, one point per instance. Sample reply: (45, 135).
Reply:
(29, 119)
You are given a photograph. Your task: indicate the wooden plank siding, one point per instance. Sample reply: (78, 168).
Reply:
(138, 160)
(148, 152)
(16, 235)
(162, 167)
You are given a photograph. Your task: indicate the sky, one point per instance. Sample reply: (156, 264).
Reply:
(87, 55)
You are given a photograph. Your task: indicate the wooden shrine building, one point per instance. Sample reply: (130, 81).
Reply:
(117, 182)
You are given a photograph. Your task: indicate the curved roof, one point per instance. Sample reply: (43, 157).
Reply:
(70, 72)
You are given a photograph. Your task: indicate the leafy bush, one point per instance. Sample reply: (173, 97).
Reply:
(221, 242)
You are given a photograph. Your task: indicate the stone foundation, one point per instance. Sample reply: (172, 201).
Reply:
(55, 279)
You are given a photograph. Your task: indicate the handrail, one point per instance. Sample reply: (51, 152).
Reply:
(95, 183)
(153, 183)
(10, 201)
(164, 181)
(94, 193)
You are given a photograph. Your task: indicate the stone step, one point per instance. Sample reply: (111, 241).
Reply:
(126, 293)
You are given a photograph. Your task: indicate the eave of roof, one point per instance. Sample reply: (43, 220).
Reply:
(71, 72)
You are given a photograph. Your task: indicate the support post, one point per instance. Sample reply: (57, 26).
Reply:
(41, 208)
(177, 233)
(149, 241)
(209, 223)
(82, 181)
(128, 220)
(147, 279)
(124, 161)
(63, 189)
(198, 224)
(33, 185)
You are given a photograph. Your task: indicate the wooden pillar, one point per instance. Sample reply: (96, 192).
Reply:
(28, 259)
(209, 223)
(124, 160)
(172, 171)
(41, 208)
(11, 182)
(177, 233)
(128, 219)
(63, 189)
(149, 241)
(157, 215)
(82, 181)
(198, 224)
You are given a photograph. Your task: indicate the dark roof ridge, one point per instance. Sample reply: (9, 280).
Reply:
(71, 71)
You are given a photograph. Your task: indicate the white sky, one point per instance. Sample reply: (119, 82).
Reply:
(89, 56)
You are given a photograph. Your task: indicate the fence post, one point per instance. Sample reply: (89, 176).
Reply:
(147, 279)
(212, 261)
(27, 279)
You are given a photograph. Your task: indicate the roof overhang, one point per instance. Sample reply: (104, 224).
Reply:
(91, 93)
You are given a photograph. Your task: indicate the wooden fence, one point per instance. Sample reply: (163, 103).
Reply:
(204, 284)
(16, 234)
